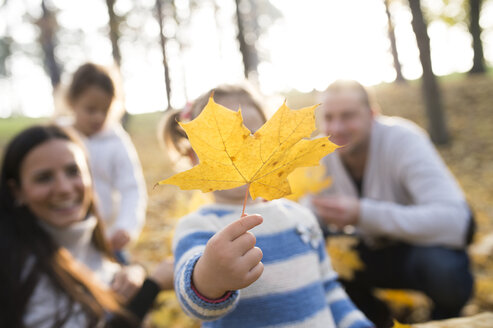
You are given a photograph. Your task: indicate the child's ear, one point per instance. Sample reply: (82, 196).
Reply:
(375, 111)
(192, 156)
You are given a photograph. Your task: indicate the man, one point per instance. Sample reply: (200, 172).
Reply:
(390, 184)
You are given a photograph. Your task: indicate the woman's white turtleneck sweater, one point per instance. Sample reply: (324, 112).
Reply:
(46, 301)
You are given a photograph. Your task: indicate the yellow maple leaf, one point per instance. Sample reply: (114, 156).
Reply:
(344, 258)
(230, 156)
(304, 180)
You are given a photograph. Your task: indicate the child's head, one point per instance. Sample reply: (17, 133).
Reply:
(90, 96)
(232, 97)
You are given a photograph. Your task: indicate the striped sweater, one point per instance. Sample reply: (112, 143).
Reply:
(298, 287)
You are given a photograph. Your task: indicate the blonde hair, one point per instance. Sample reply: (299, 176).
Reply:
(174, 139)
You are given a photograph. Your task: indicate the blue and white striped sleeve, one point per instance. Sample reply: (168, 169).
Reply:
(187, 252)
(344, 312)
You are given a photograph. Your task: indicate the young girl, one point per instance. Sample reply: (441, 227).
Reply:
(118, 177)
(219, 275)
(57, 269)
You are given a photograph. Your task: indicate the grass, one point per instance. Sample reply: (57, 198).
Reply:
(11, 126)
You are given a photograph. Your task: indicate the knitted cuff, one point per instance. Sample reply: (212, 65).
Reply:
(195, 297)
(215, 301)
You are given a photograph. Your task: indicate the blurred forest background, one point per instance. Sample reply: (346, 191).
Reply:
(429, 61)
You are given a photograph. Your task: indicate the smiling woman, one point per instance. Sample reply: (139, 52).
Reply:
(45, 181)
(55, 183)
(58, 270)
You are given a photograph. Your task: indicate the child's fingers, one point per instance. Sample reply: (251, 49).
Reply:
(252, 257)
(254, 273)
(244, 243)
(239, 227)
(118, 280)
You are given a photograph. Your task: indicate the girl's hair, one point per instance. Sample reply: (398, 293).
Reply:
(22, 240)
(91, 75)
(174, 138)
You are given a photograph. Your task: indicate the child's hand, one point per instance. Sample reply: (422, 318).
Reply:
(119, 239)
(230, 260)
(163, 275)
(128, 280)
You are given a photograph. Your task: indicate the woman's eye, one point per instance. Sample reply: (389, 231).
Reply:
(43, 177)
(73, 170)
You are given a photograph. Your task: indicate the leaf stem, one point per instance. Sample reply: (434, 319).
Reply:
(245, 201)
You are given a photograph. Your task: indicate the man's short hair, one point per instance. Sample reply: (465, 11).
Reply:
(340, 86)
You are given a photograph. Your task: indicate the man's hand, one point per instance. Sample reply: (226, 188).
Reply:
(338, 210)
(230, 260)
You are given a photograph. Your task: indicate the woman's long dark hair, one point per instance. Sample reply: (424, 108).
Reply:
(23, 242)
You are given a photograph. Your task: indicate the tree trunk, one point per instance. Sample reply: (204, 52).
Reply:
(393, 45)
(114, 25)
(430, 89)
(478, 65)
(248, 52)
(181, 46)
(5, 52)
(114, 35)
(48, 25)
(163, 40)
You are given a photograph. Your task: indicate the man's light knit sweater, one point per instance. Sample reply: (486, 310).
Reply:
(408, 193)
(298, 287)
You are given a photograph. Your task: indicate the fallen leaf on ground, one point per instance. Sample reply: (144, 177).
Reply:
(344, 258)
(397, 324)
(307, 180)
